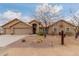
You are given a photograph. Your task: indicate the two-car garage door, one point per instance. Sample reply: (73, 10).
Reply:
(22, 31)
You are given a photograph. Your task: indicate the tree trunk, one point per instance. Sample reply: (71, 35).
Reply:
(77, 32)
(62, 37)
(45, 34)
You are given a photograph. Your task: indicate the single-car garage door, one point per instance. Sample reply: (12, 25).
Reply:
(22, 31)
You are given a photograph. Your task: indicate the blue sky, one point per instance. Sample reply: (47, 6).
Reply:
(28, 9)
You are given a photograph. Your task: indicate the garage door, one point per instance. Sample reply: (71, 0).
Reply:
(22, 31)
(7, 31)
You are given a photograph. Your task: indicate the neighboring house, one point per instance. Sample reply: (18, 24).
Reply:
(56, 27)
(1, 30)
(19, 27)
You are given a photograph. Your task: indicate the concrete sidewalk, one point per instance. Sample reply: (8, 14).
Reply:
(8, 39)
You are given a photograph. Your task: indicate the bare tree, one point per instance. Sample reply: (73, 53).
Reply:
(75, 21)
(45, 13)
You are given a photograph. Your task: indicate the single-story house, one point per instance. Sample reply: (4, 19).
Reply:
(17, 27)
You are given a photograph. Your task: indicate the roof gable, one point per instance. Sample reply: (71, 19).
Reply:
(21, 25)
(62, 21)
(13, 22)
(34, 21)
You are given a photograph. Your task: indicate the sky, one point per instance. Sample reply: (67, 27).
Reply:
(25, 11)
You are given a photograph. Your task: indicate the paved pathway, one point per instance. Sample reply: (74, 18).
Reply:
(8, 39)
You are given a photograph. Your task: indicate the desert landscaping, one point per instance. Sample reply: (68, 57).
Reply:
(38, 45)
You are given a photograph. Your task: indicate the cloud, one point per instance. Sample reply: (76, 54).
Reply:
(42, 7)
(26, 18)
(10, 15)
(53, 9)
(56, 9)
(77, 13)
(68, 18)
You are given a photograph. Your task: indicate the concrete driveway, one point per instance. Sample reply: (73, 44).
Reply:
(8, 39)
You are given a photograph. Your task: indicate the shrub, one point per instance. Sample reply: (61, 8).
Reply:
(40, 33)
(23, 40)
(39, 41)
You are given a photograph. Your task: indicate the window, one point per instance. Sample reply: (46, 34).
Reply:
(67, 29)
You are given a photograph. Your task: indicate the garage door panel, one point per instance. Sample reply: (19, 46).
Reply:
(7, 31)
(22, 31)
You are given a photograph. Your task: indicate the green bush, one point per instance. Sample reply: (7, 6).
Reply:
(40, 33)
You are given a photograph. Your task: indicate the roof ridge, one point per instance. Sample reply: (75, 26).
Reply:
(63, 21)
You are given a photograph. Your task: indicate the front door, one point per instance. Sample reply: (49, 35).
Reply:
(34, 27)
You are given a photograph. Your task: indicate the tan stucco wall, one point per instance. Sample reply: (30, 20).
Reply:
(18, 26)
(21, 25)
(57, 26)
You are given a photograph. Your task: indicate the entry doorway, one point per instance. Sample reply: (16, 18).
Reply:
(34, 28)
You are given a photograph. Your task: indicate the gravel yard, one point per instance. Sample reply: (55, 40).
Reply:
(50, 41)
(51, 46)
